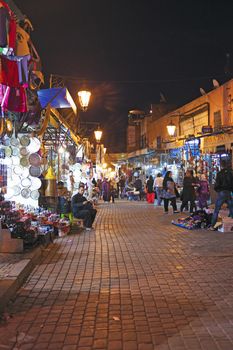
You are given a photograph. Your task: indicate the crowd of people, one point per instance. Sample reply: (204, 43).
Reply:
(193, 194)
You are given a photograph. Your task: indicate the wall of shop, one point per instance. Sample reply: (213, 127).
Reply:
(213, 109)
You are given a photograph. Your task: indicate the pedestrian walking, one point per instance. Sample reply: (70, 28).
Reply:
(188, 193)
(150, 195)
(223, 186)
(203, 192)
(122, 186)
(169, 192)
(158, 187)
(112, 191)
(106, 190)
(138, 187)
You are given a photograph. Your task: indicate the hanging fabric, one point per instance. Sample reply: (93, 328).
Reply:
(13, 99)
(22, 38)
(11, 27)
(14, 70)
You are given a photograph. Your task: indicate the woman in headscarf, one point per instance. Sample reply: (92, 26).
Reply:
(169, 192)
(189, 193)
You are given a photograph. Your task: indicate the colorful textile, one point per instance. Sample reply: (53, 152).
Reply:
(13, 99)
(22, 38)
(9, 74)
(150, 197)
(199, 219)
(12, 26)
(3, 26)
(14, 70)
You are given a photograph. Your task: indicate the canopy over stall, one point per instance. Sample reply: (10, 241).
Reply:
(57, 98)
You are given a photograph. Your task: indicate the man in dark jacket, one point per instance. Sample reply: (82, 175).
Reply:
(223, 186)
(83, 209)
(138, 187)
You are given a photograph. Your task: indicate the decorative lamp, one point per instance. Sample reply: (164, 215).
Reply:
(98, 134)
(84, 98)
(171, 129)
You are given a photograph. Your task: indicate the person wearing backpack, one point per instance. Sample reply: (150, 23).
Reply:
(223, 186)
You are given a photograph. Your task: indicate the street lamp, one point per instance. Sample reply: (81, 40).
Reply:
(84, 99)
(98, 134)
(171, 128)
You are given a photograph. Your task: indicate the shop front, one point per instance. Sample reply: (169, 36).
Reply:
(38, 167)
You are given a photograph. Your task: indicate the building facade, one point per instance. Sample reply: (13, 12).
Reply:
(204, 135)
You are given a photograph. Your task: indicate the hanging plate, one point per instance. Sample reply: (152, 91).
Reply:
(35, 171)
(6, 142)
(15, 151)
(18, 170)
(16, 190)
(24, 161)
(23, 151)
(25, 193)
(25, 141)
(26, 182)
(25, 172)
(35, 195)
(36, 183)
(34, 145)
(34, 159)
(14, 142)
(8, 151)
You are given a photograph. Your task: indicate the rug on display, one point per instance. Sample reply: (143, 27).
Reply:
(199, 220)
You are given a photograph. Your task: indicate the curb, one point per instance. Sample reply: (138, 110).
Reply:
(10, 284)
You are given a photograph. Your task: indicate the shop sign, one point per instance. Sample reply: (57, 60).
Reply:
(207, 129)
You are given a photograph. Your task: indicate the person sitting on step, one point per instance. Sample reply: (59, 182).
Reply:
(83, 209)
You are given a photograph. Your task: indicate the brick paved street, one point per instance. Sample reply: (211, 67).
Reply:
(136, 282)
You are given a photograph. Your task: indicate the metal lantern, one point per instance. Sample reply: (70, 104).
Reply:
(84, 98)
(171, 129)
(98, 134)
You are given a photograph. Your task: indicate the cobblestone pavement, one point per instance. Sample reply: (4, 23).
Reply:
(134, 283)
(7, 263)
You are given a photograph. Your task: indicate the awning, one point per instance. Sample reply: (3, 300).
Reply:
(140, 152)
(57, 98)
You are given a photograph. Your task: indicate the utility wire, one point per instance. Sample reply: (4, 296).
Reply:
(152, 81)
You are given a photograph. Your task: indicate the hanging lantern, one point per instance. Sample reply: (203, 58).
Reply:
(98, 134)
(171, 129)
(84, 98)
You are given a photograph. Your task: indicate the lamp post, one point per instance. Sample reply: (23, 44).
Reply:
(84, 99)
(98, 135)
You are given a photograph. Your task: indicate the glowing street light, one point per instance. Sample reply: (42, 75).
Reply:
(171, 129)
(84, 99)
(98, 134)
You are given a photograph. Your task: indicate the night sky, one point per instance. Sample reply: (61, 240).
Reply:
(127, 52)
